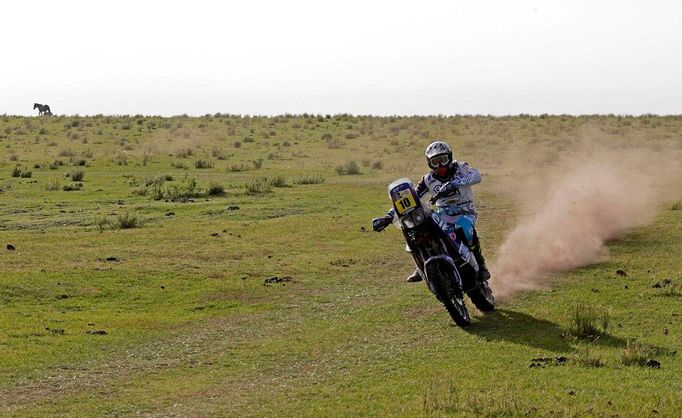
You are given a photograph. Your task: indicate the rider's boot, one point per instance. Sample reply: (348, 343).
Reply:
(415, 277)
(483, 273)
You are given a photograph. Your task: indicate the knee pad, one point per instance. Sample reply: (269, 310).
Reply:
(467, 227)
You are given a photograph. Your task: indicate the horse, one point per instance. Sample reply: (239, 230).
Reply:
(42, 109)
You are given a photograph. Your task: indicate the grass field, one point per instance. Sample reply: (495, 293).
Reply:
(143, 248)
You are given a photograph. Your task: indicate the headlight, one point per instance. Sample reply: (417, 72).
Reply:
(413, 219)
(408, 222)
(418, 216)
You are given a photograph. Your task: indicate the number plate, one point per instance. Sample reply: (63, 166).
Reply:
(403, 200)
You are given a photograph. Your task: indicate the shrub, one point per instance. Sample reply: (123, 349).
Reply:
(377, 165)
(77, 175)
(257, 164)
(16, 171)
(237, 144)
(78, 162)
(203, 164)
(13, 157)
(350, 168)
(309, 179)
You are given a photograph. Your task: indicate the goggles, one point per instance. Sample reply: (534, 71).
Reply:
(439, 160)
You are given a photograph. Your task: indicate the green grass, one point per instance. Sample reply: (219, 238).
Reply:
(192, 329)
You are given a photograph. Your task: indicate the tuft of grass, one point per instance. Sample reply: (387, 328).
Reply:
(187, 189)
(218, 153)
(184, 153)
(586, 358)
(277, 181)
(18, 171)
(56, 164)
(589, 322)
(440, 400)
(634, 354)
(670, 289)
(127, 220)
(677, 205)
(309, 179)
(331, 141)
(78, 162)
(215, 189)
(179, 164)
(53, 184)
(349, 168)
(236, 168)
(201, 164)
(72, 187)
(77, 175)
(5, 186)
(377, 165)
(67, 153)
(258, 186)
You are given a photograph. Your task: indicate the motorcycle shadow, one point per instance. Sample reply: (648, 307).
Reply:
(520, 328)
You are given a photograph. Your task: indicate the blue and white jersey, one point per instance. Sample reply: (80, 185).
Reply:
(461, 201)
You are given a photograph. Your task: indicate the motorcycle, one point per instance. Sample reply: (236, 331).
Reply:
(445, 263)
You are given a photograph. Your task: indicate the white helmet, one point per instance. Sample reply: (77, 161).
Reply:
(439, 157)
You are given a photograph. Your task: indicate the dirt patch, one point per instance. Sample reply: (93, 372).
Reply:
(278, 280)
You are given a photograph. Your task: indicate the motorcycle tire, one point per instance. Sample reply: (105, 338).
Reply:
(482, 297)
(458, 311)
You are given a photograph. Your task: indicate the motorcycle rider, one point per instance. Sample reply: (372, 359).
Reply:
(449, 184)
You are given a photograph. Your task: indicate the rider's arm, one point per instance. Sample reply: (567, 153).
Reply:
(466, 176)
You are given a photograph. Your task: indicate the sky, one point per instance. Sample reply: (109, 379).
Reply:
(360, 57)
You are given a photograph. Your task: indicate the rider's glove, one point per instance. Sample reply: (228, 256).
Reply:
(379, 224)
(446, 189)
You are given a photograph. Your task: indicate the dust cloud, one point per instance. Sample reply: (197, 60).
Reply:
(572, 206)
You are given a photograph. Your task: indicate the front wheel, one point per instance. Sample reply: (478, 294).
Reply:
(458, 312)
(482, 297)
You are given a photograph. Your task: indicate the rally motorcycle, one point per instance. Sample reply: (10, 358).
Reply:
(445, 263)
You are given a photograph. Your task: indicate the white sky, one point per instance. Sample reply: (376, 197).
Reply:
(361, 57)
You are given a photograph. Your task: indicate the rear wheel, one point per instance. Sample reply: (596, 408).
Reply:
(483, 297)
